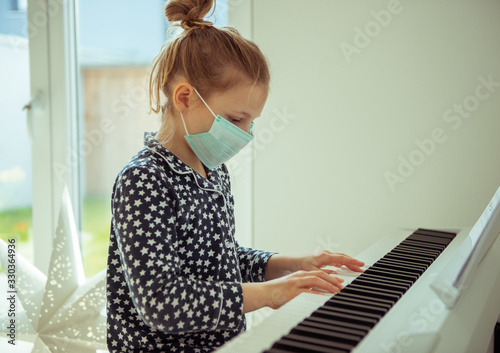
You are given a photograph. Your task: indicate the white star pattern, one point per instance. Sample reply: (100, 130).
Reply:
(174, 267)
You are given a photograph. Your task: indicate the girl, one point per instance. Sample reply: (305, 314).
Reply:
(177, 281)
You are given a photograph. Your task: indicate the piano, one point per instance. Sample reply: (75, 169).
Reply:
(391, 307)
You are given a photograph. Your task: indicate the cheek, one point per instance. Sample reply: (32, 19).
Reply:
(206, 125)
(245, 126)
(201, 123)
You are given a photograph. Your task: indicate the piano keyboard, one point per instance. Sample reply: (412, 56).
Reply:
(313, 323)
(342, 322)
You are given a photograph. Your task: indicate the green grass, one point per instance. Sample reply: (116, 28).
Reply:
(96, 215)
(16, 224)
(96, 226)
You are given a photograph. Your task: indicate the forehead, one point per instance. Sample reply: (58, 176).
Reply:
(244, 97)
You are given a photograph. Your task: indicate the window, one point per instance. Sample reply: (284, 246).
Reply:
(79, 143)
(117, 42)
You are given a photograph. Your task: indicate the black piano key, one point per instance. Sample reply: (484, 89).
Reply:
(435, 233)
(370, 293)
(348, 319)
(408, 250)
(430, 257)
(361, 298)
(418, 251)
(366, 307)
(351, 316)
(331, 338)
(293, 346)
(405, 263)
(310, 338)
(422, 245)
(414, 260)
(381, 285)
(404, 252)
(401, 265)
(417, 259)
(353, 296)
(391, 273)
(428, 252)
(400, 282)
(428, 239)
(370, 317)
(326, 318)
(332, 327)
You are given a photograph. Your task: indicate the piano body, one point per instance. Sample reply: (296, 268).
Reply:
(417, 321)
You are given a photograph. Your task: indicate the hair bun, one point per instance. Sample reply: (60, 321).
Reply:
(189, 13)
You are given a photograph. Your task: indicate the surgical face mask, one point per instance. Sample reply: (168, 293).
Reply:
(222, 142)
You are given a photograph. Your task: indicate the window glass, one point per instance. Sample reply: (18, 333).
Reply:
(117, 40)
(15, 146)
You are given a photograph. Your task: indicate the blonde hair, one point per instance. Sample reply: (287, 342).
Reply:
(211, 59)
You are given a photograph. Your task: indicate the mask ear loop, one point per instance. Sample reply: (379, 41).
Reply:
(185, 128)
(215, 116)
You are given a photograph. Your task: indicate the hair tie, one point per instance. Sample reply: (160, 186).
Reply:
(192, 24)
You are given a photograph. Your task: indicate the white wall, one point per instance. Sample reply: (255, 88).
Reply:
(238, 14)
(337, 124)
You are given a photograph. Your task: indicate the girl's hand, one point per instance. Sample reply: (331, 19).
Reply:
(282, 290)
(327, 258)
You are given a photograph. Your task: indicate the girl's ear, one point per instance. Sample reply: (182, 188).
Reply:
(182, 96)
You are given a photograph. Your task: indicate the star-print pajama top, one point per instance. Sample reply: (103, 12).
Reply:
(174, 268)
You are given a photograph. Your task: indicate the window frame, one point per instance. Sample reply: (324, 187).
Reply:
(51, 26)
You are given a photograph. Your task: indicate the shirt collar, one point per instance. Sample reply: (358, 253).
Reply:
(214, 180)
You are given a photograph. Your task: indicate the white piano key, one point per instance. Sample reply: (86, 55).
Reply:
(278, 324)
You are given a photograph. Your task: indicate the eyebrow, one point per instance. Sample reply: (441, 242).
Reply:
(244, 114)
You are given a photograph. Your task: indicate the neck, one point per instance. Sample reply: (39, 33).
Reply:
(173, 140)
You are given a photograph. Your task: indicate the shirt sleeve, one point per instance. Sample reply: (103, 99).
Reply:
(253, 263)
(145, 223)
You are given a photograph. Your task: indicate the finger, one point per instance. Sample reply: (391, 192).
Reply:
(355, 268)
(321, 274)
(337, 265)
(341, 259)
(337, 282)
(320, 283)
(317, 279)
(318, 291)
(330, 272)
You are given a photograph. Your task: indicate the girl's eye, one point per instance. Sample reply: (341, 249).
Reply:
(233, 120)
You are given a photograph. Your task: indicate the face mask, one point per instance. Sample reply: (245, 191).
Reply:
(222, 142)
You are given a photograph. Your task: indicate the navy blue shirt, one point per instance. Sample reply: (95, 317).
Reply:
(174, 267)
